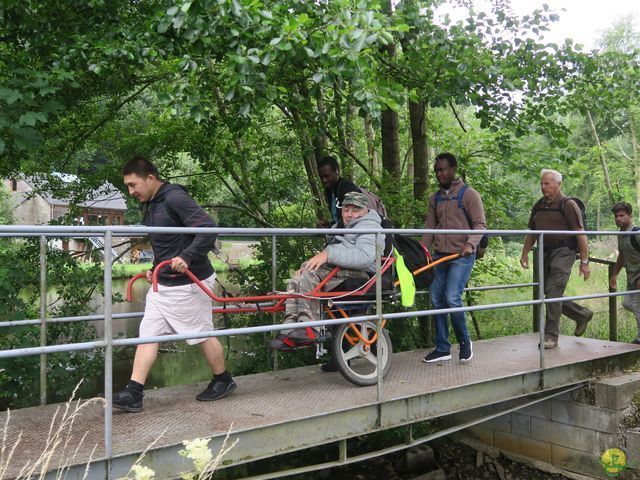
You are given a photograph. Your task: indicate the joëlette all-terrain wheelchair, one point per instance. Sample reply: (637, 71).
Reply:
(355, 347)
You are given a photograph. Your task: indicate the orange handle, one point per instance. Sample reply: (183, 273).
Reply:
(430, 265)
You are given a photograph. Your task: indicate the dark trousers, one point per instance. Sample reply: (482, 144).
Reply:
(557, 270)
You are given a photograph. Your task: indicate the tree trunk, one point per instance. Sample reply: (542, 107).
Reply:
(603, 160)
(390, 122)
(346, 162)
(311, 168)
(320, 132)
(308, 150)
(636, 160)
(372, 153)
(390, 143)
(350, 140)
(417, 112)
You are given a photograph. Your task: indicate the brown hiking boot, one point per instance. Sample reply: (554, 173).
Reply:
(549, 342)
(581, 327)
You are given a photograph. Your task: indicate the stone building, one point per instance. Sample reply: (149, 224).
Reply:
(106, 206)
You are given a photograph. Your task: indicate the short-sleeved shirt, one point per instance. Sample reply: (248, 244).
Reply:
(631, 256)
(548, 216)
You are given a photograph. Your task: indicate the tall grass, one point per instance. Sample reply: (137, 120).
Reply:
(517, 320)
(61, 447)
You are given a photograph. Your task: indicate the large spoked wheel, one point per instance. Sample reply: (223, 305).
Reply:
(356, 354)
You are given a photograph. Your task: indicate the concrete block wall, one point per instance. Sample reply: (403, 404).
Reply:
(569, 432)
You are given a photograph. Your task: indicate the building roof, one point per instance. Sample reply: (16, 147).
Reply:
(105, 197)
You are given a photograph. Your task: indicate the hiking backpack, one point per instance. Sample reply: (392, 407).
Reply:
(374, 202)
(563, 202)
(415, 256)
(484, 241)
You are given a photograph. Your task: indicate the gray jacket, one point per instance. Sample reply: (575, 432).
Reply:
(357, 252)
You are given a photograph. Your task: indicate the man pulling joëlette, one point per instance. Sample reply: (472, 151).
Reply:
(179, 305)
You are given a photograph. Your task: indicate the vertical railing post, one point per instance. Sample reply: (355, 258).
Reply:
(43, 318)
(274, 281)
(542, 309)
(536, 291)
(342, 451)
(613, 308)
(380, 352)
(108, 353)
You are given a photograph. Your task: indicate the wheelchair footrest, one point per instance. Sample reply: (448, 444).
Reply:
(298, 338)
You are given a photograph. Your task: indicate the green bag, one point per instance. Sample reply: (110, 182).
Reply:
(407, 283)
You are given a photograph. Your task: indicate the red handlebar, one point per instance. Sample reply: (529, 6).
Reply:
(205, 289)
(130, 285)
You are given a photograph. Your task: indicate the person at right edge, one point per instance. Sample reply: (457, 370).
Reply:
(455, 206)
(629, 259)
(555, 211)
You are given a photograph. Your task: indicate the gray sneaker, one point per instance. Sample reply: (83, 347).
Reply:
(581, 327)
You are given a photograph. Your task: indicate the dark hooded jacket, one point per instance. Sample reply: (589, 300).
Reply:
(173, 207)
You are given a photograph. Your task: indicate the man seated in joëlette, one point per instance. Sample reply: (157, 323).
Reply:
(354, 253)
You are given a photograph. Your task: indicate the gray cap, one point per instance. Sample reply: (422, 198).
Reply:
(357, 199)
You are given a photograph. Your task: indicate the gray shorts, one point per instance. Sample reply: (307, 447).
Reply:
(178, 309)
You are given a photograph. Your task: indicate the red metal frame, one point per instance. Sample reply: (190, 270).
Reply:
(278, 299)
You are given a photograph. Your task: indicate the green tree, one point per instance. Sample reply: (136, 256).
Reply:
(19, 289)
(6, 206)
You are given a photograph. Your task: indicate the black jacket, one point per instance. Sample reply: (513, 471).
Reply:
(173, 207)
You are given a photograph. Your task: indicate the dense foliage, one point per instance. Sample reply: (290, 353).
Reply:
(241, 95)
(20, 293)
(239, 98)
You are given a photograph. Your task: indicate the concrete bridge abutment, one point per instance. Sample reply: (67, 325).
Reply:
(571, 432)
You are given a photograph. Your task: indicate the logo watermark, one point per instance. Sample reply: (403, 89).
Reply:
(614, 462)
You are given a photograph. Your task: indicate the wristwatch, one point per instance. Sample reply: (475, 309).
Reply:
(584, 262)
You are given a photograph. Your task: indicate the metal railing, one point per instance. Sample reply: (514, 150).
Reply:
(108, 343)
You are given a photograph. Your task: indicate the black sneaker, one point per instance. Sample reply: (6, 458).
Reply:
(216, 390)
(466, 351)
(128, 401)
(436, 356)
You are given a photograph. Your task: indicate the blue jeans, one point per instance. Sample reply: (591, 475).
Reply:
(446, 292)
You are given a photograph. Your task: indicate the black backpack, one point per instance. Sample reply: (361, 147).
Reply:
(484, 241)
(634, 240)
(563, 202)
(415, 257)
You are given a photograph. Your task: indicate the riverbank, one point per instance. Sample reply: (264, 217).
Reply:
(127, 270)
(233, 254)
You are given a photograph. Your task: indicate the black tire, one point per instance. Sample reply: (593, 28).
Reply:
(355, 362)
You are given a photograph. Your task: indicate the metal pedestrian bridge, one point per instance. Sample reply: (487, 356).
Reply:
(281, 412)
